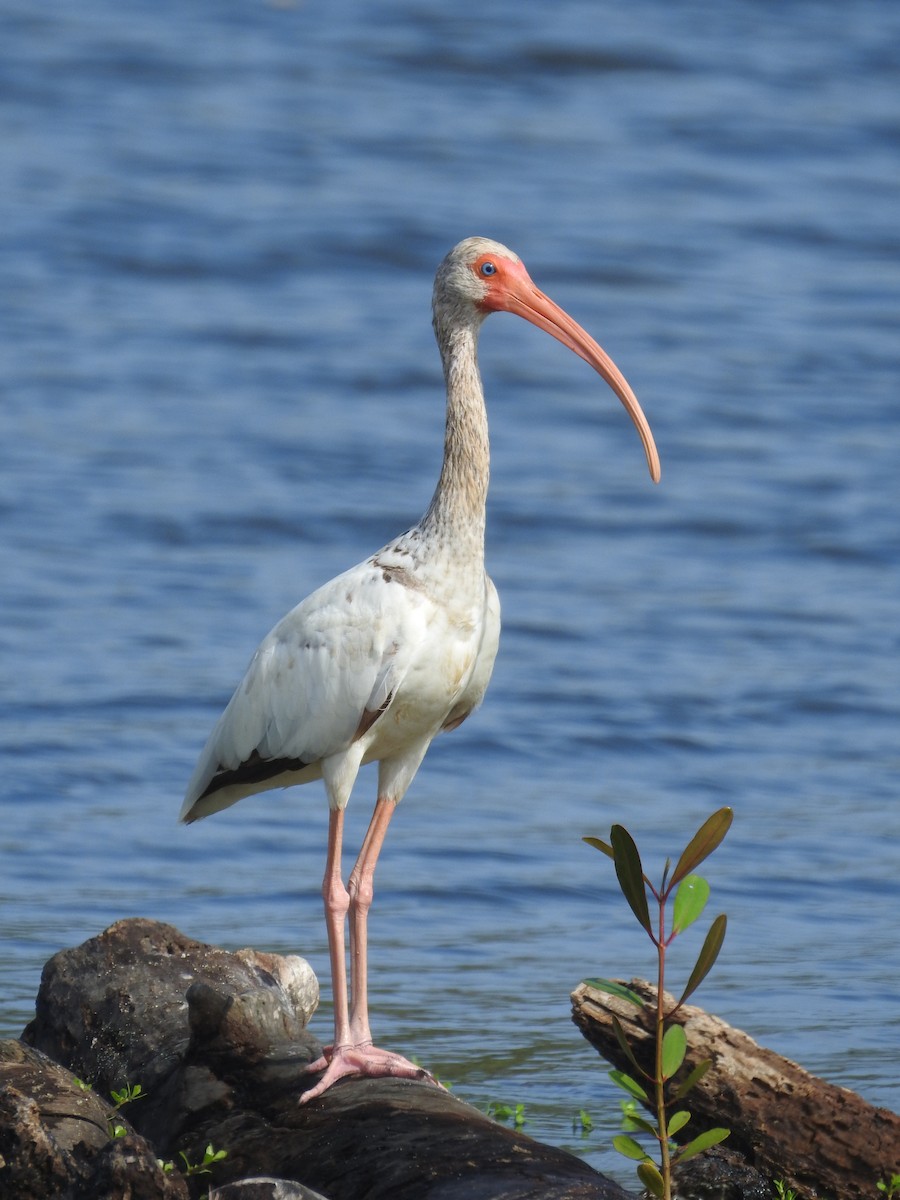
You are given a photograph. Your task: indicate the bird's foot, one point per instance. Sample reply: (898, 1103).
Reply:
(366, 1060)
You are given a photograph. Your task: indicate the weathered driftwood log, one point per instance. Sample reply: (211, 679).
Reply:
(820, 1139)
(217, 1043)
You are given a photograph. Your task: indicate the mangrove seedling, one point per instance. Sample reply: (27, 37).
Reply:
(655, 1089)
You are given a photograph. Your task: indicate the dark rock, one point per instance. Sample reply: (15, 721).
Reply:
(143, 1003)
(264, 1189)
(133, 979)
(218, 1043)
(408, 1140)
(55, 1139)
(720, 1174)
(50, 1129)
(127, 1169)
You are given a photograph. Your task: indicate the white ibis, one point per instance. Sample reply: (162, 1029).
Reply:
(399, 648)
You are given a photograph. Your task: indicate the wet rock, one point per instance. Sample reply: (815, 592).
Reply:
(55, 1139)
(219, 1046)
(265, 1189)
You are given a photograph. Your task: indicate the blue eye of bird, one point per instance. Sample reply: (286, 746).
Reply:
(488, 268)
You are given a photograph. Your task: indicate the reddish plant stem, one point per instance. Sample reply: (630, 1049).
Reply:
(666, 1170)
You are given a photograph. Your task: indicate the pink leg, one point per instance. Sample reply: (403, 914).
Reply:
(356, 1055)
(361, 891)
(337, 902)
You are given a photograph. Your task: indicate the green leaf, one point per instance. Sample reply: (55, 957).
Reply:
(711, 1137)
(648, 1174)
(625, 1048)
(678, 1121)
(674, 1048)
(702, 844)
(630, 874)
(627, 1084)
(632, 1123)
(708, 955)
(690, 901)
(694, 1078)
(628, 1146)
(604, 847)
(613, 988)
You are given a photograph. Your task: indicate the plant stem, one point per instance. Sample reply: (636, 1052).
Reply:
(665, 1165)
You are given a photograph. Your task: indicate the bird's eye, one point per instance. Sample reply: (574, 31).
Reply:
(488, 268)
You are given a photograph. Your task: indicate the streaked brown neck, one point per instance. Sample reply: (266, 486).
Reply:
(457, 509)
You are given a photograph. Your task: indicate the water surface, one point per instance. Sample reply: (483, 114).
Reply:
(220, 388)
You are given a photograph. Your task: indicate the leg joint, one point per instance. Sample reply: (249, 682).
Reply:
(335, 895)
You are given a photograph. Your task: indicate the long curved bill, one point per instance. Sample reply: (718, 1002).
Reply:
(529, 302)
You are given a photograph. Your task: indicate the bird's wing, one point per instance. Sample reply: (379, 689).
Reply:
(319, 679)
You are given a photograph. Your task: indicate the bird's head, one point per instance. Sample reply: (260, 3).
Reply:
(479, 277)
(474, 273)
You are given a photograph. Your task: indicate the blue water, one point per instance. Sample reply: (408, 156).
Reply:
(218, 231)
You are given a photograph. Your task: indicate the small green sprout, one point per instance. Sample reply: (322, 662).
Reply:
(782, 1191)
(582, 1122)
(127, 1095)
(210, 1156)
(503, 1113)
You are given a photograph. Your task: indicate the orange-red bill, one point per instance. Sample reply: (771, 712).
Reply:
(525, 300)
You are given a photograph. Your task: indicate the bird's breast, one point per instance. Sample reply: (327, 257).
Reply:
(443, 664)
(439, 662)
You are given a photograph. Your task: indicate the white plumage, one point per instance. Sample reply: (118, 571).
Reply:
(377, 662)
(377, 642)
